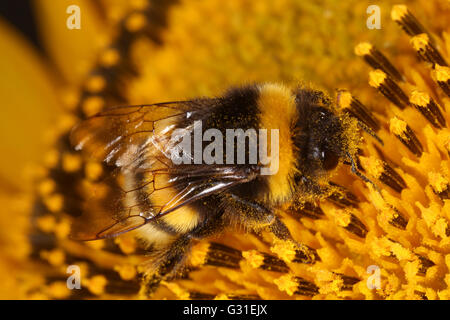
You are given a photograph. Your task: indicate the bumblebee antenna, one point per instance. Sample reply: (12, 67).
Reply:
(367, 129)
(360, 175)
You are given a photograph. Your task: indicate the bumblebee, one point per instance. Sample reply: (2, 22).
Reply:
(168, 206)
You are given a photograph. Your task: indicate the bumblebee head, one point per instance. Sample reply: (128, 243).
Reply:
(322, 139)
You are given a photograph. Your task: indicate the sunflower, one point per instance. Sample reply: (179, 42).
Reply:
(364, 242)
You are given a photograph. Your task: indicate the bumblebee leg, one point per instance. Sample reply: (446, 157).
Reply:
(279, 229)
(254, 216)
(308, 189)
(168, 263)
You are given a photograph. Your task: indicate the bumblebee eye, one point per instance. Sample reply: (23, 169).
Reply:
(330, 160)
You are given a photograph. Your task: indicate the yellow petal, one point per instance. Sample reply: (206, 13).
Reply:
(72, 50)
(29, 104)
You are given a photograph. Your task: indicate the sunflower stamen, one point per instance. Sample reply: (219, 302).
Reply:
(425, 263)
(384, 173)
(406, 20)
(426, 50)
(347, 281)
(350, 222)
(215, 254)
(428, 107)
(381, 81)
(351, 105)
(232, 296)
(296, 285)
(306, 288)
(92, 105)
(136, 22)
(298, 253)
(110, 57)
(406, 136)
(196, 295)
(221, 255)
(421, 295)
(333, 282)
(306, 209)
(95, 84)
(377, 60)
(106, 78)
(306, 255)
(237, 296)
(342, 197)
(441, 74)
(396, 219)
(265, 261)
(440, 185)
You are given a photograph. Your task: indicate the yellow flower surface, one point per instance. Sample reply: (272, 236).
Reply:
(391, 241)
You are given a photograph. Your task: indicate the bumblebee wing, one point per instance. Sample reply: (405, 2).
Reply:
(103, 212)
(197, 182)
(136, 140)
(123, 210)
(119, 135)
